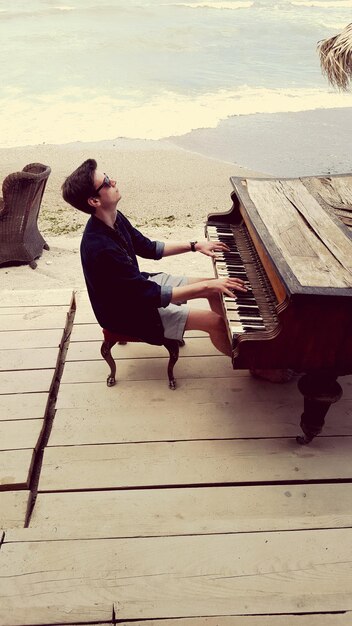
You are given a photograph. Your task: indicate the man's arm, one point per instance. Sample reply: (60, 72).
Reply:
(209, 248)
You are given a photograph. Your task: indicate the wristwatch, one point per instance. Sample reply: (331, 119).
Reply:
(193, 245)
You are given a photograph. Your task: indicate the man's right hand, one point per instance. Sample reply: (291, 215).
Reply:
(226, 285)
(207, 288)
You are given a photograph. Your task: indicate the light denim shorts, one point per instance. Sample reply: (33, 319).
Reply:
(174, 316)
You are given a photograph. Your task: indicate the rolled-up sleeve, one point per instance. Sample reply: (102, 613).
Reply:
(159, 249)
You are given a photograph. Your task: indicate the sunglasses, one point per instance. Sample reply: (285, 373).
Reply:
(106, 183)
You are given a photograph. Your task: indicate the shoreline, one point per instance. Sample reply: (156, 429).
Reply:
(304, 143)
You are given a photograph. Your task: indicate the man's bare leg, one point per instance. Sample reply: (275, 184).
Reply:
(213, 324)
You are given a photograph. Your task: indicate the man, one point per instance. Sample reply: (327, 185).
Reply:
(125, 300)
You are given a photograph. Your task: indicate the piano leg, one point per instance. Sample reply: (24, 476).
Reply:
(320, 390)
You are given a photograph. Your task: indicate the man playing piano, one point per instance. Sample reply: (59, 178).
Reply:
(126, 300)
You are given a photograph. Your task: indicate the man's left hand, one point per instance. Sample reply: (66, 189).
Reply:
(211, 248)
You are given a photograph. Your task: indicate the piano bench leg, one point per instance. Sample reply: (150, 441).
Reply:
(319, 391)
(105, 351)
(172, 346)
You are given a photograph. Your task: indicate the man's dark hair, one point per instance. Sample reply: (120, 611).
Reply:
(79, 186)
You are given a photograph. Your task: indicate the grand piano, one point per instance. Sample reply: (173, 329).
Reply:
(291, 239)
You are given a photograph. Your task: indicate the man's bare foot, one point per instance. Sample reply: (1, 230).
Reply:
(274, 376)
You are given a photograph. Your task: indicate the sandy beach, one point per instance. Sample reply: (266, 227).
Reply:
(167, 193)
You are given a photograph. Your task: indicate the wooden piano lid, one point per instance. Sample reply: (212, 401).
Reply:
(306, 226)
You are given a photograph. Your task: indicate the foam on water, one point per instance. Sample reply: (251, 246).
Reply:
(323, 4)
(216, 5)
(68, 116)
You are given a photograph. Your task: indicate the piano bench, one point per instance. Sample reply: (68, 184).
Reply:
(111, 338)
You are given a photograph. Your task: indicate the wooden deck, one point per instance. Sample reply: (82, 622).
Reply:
(193, 507)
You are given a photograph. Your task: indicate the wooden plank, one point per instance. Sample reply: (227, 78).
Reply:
(22, 406)
(240, 388)
(147, 369)
(194, 463)
(67, 581)
(26, 381)
(15, 467)
(90, 350)
(35, 297)
(28, 358)
(17, 434)
(307, 256)
(49, 338)
(322, 619)
(326, 229)
(13, 508)
(135, 418)
(188, 511)
(93, 332)
(35, 319)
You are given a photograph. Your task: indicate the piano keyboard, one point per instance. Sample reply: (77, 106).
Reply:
(253, 311)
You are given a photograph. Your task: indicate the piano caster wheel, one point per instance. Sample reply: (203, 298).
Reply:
(172, 384)
(111, 381)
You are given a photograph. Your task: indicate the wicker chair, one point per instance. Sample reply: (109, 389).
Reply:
(20, 239)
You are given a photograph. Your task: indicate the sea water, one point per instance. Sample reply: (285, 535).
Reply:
(83, 70)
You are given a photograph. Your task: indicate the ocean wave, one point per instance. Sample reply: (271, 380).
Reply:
(216, 5)
(85, 115)
(337, 26)
(14, 15)
(323, 4)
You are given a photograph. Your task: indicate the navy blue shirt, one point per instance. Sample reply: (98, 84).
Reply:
(122, 297)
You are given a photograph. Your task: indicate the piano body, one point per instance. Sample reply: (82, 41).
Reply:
(291, 239)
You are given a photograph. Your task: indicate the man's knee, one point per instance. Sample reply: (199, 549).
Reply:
(207, 321)
(216, 322)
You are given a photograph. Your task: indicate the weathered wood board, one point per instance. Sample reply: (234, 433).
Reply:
(18, 434)
(147, 369)
(24, 339)
(251, 573)
(35, 297)
(15, 468)
(240, 388)
(185, 418)
(182, 511)
(13, 508)
(323, 619)
(28, 358)
(90, 350)
(20, 406)
(27, 381)
(34, 318)
(319, 255)
(193, 463)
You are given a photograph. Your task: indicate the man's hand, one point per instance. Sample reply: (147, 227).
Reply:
(207, 288)
(226, 285)
(210, 248)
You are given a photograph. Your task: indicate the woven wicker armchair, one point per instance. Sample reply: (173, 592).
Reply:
(20, 239)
